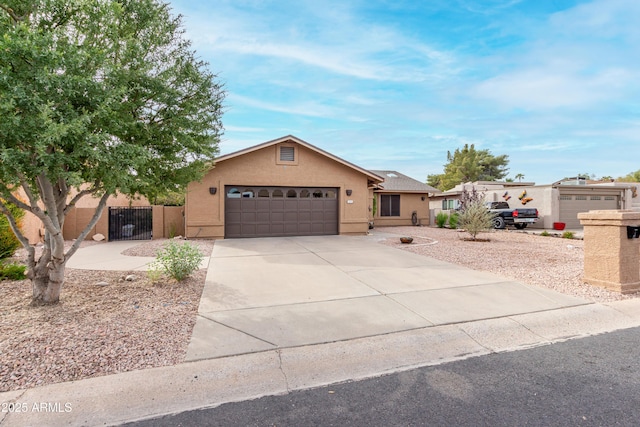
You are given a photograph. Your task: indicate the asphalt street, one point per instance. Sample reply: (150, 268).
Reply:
(592, 381)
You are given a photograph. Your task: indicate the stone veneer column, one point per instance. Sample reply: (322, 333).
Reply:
(611, 260)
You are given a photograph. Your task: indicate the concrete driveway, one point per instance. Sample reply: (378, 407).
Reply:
(268, 293)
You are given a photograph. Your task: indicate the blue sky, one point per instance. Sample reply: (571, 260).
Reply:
(393, 84)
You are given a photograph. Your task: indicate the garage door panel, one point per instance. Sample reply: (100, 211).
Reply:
(272, 213)
(291, 216)
(573, 204)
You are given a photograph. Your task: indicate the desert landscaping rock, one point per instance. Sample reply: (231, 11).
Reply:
(98, 237)
(100, 330)
(544, 261)
(131, 278)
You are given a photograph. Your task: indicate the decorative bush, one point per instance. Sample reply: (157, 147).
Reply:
(545, 233)
(453, 221)
(441, 219)
(475, 218)
(8, 241)
(176, 260)
(567, 235)
(12, 271)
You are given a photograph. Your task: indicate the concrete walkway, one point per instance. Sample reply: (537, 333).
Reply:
(295, 313)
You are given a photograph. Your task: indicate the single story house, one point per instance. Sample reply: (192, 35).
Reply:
(401, 200)
(557, 202)
(289, 187)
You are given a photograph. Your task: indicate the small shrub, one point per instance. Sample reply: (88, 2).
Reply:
(567, 235)
(476, 218)
(154, 273)
(545, 233)
(453, 220)
(8, 241)
(12, 271)
(441, 219)
(177, 260)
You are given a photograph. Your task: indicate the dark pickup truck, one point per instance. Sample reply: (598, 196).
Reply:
(504, 215)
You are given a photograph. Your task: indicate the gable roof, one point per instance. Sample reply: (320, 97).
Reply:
(395, 181)
(290, 138)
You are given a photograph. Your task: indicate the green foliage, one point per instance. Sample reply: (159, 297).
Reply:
(631, 177)
(468, 165)
(12, 271)
(475, 218)
(567, 235)
(545, 233)
(99, 97)
(441, 219)
(375, 205)
(453, 220)
(178, 261)
(8, 240)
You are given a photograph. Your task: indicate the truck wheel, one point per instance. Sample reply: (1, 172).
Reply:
(520, 226)
(498, 222)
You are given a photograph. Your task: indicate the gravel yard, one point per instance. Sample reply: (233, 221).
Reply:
(545, 261)
(97, 330)
(127, 325)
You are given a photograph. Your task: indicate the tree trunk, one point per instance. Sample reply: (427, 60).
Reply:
(47, 274)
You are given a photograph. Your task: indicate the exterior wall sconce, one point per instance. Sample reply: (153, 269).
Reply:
(349, 192)
(422, 198)
(213, 190)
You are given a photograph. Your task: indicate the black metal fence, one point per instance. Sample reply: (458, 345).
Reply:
(135, 223)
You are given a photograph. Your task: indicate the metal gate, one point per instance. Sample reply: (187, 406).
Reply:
(135, 223)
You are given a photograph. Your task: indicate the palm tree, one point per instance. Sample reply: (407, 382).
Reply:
(519, 177)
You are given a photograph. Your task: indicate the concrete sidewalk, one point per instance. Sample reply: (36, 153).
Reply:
(108, 256)
(279, 315)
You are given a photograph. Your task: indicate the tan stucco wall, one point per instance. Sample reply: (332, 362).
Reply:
(205, 212)
(409, 203)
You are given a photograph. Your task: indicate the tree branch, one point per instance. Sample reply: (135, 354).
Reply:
(11, 13)
(92, 223)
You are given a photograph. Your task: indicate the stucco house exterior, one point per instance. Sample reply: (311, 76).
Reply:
(289, 187)
(283, 187)
(401, 200)
(560, 201)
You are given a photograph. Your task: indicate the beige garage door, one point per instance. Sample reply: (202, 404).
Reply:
(280, 211)
(572, 204)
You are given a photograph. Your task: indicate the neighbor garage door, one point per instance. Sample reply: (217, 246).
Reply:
(280, 211)
(572, 204)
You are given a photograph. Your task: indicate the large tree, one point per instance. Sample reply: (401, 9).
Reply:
(96, 97)
(631, 177)
(468, 165)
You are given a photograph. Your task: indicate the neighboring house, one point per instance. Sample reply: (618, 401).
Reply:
(401, 200)
(283, 187)
(557, 202)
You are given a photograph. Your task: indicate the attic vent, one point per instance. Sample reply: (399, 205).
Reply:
(287, 154)
(392, 175)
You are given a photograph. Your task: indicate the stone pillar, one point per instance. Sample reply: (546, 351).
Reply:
(611, 259)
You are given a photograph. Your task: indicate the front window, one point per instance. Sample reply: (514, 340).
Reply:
(389, 205)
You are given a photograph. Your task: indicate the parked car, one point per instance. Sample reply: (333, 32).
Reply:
(506, 216)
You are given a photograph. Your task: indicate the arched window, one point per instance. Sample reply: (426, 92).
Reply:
(263, 193)
(233, 193)
(305, 194)
(292, 194)
(248, 193)
(317, 194)
(330, 194)
(277, 194)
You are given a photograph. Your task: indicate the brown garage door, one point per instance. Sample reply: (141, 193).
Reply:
(572, 204)
(280, 211)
